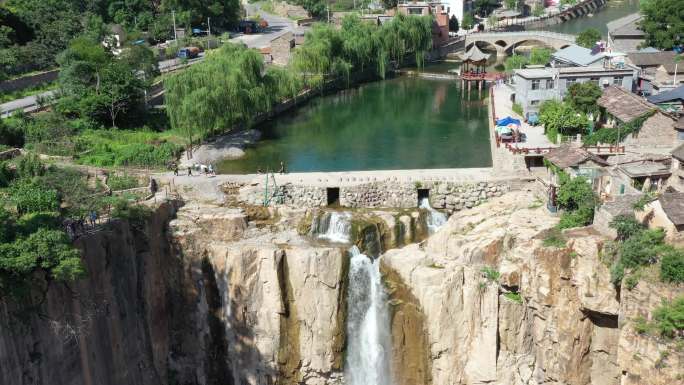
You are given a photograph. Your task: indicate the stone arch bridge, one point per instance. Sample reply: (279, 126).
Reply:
(506, 42)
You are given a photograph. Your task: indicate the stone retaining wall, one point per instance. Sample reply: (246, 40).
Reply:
(449, 196)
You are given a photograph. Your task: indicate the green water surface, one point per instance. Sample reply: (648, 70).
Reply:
(401, 123)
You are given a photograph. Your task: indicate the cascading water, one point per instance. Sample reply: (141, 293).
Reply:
(435, 219)
(334, 226)
(368, 324)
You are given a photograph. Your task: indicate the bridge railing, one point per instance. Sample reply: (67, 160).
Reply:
(499, 35)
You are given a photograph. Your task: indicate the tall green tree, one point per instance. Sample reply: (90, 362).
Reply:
(515, 62)
(560, 118)
(453, 24)
(663, 23)
(583, 96)
(540, 56)
(588, 37)
(97, 85)
(484, 7)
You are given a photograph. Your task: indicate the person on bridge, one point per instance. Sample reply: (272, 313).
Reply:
(282, 168)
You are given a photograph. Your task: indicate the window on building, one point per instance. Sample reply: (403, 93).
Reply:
(534, 102)
(681, 165)
(549, 84)
(570, 81)
(595, 81)
(535, 84)
(617, 80)
(680, 135)
(415, 11)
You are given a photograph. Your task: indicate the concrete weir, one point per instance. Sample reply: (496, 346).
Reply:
(446, 189)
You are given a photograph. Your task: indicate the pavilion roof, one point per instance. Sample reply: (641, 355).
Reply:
(474, 55)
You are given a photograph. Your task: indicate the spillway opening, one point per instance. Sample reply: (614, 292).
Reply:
(423, 193)
(333, 195)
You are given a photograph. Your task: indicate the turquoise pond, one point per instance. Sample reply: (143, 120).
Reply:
(401, 123)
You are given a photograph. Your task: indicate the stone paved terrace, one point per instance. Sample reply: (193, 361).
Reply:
(504, 107)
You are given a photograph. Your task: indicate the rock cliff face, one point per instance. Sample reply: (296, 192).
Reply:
(207, 294)
(567, 326)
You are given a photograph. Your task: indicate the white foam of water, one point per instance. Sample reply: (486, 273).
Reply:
(435, 219)
(369, 343)
(337, 227)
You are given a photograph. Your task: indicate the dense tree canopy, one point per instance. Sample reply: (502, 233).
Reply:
(30, 237)
(99, 86)
(663, 23)
(588, 37)
(583, 96)
(484, 7)
(560, 118)
(33, 32)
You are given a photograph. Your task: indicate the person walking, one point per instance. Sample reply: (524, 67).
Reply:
(282, 167)
(189, 170)
(175, 169)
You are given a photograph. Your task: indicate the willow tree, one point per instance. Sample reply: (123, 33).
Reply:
(227, 90)
(321, 55)
(405, 34)
(362, 43)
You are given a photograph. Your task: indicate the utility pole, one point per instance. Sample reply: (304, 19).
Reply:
(209, 31)
(175, 34)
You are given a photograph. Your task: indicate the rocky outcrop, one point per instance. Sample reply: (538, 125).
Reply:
(208, 294)
(535, 315)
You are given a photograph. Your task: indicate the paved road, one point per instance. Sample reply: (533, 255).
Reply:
(277, 25)
(28, 104)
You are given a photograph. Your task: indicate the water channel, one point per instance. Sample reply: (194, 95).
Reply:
(613, 10)
(400, 123)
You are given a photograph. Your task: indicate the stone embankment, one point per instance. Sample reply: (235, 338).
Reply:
(449, 196)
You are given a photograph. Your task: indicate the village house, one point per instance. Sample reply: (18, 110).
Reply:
(619, 106)
(647, 176)
(279, 51)
(667, 77)
(667, 213)
(576, 56)
(677, 169)
(670, 101)
(533, 86)
(624, 34)
(574, 161)
(648, 64)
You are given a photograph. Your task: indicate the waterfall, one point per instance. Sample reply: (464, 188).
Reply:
(435, 219)
(334, 226)
(368, 324)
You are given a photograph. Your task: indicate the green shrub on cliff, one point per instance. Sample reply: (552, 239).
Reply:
(32, 207)
(672, 266)
(626, 226)
(669, 318)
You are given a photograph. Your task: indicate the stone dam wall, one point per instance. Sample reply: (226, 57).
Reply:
(449, 196)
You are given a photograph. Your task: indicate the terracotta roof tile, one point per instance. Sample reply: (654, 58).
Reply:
(623, 104)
